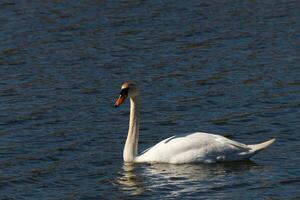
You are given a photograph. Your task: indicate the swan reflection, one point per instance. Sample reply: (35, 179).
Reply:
(136, 179)
(129, 181)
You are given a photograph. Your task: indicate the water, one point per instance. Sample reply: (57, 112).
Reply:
(226, 67)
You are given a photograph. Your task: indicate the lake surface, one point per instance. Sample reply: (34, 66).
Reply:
(225, 67)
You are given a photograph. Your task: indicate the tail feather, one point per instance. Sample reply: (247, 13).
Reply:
(255, 148)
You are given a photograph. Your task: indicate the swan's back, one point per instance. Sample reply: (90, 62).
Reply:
(196, 147)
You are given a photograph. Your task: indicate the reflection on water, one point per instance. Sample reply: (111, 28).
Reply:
(136, 179)
(129, 181)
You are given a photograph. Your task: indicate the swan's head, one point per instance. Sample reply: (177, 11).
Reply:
(128, 89)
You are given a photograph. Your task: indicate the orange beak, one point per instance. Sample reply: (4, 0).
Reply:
(120, 100)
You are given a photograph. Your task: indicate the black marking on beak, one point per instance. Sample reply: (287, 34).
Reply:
(124, 92)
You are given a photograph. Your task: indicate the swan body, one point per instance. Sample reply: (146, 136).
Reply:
(199, 147)
(188, 148)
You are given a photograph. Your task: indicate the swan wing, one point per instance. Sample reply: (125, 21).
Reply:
(195, 147)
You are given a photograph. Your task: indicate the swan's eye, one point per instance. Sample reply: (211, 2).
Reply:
(124, 91)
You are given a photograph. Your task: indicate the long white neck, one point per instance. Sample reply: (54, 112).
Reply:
(131, 145)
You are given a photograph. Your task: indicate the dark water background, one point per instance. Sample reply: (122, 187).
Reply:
(226, 67)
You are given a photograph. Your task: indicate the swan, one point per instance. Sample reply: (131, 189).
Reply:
(195, 147)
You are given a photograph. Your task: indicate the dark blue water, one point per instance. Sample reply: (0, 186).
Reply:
(226, 67)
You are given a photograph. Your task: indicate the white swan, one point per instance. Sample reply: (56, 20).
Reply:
(188, 148)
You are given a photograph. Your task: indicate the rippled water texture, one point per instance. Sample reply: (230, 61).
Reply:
(226, 67)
